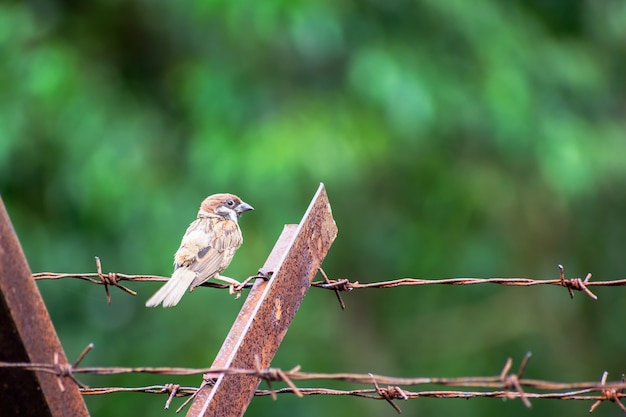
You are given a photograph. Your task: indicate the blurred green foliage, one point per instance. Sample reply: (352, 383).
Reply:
(454, 138)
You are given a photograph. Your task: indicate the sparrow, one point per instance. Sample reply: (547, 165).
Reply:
(206, 249)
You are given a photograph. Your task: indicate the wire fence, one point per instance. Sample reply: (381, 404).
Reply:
(505, 385)
(341, 285)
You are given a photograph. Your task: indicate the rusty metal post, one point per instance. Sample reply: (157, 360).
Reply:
(27, 335)
(268, 311)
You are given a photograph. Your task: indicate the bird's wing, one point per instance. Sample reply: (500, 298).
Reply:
(208, 247)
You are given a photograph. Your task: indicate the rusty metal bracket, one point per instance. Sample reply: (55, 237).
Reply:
(27, 335)
(268, 311)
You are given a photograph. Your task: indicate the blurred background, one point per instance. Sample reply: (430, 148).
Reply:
(454, 139)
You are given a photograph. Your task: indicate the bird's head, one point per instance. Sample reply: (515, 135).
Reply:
(226, 205)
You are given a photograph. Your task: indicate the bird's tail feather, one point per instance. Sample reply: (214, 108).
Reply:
(173, 290)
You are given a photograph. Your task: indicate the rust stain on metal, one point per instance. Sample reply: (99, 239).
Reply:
(27, 335)
(277, 309)
(269, 310)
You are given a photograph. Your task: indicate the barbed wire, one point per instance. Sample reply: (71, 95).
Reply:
(391, 392)
(341, 285)
(506, 384)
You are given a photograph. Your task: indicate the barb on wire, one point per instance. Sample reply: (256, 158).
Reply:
(334, 288)
(389, 393)
(173, 390)
(513, 380)
(611, 394)
(276, 374)
(110, 279)
(338, 285)
(504, 385)
(575, 283)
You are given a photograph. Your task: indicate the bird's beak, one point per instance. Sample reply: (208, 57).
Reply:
(243, 207)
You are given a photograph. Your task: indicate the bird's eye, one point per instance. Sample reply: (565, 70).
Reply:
(230, 203)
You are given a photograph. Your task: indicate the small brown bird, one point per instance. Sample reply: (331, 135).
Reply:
(207, 248)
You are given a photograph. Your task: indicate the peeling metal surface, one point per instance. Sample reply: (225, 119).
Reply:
(269, 309)
(27, 335)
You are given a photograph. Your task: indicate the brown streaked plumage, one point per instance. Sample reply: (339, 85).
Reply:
(206, 249)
